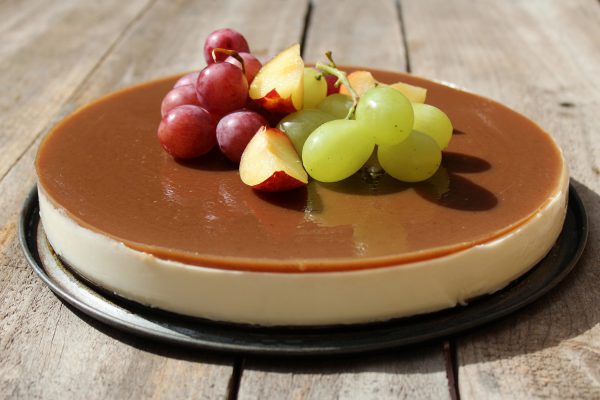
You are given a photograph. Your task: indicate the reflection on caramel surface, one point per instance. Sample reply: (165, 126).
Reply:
(104, 166)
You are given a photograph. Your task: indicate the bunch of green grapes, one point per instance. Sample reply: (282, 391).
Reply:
(336, 141)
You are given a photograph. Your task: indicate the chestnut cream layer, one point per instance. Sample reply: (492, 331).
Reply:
(191, 238)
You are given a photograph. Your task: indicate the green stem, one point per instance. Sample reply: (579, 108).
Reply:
(329, 56)
(343, 79)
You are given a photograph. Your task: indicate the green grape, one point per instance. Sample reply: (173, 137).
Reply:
(387, 112)
(433, 122)
(315, 88)
(337, 105)
(413, 160)
(300, 124)
(336, 150)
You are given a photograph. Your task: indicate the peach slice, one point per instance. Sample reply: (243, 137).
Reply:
(415, 94)
(279, 85)
(270, 162)
(362, 81)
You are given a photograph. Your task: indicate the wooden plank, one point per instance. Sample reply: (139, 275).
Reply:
(408, 374)
(542, 59)
(64, 355)
(47, 350)
(413, 374)
(151, 51)
(42, 61)
(357, 33)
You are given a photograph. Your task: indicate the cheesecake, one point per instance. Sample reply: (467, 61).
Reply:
(189, 237)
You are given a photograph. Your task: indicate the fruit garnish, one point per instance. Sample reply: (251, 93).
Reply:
(408, 137)
(251, 64)
(179, 96)
(188, 79)
(387, 113)
(337, 104)
(315, 88)
(361, 81)
(224, 38)
(433, 122)
(415, 94)
(235, 130)
(270, 162)
(414, 159)
(368, 125)
(332, 87)
(341, 79)
(217, 94)
(297, 126)
(279, 85)
(337, 149)
(222, 88)
(187, 131)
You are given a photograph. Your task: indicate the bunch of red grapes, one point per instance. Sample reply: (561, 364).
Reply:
(212, 106)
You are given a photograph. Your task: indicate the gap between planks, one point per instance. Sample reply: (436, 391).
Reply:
(233, 388)
(403, 35)
(451, 368)
(307, 21)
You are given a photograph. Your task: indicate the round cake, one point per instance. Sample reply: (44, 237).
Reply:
(191, 238)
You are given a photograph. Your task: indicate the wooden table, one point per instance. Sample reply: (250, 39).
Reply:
(540, 57)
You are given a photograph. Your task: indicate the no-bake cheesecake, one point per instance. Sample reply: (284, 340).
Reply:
(191, 238)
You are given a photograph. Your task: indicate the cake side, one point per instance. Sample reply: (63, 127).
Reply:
(308, 298)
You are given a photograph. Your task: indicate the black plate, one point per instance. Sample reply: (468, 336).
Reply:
(193, 332)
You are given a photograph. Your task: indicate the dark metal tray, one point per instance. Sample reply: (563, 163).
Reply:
(180, 330)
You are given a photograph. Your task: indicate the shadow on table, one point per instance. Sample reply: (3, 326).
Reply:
(426, 358)
(153, 346)
(570, 310)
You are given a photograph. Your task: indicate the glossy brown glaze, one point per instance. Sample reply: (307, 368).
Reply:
(104, 166)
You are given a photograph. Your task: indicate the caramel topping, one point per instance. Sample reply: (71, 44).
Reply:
(104, 166)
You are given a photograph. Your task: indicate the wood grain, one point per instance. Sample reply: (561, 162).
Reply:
(47, 350)
(149, 51)
(42, 60)
(419, 373)
(407, 374)
(542, 59)
(358, 33)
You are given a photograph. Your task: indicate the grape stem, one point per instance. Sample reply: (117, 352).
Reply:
(342, 77)
(231, 53)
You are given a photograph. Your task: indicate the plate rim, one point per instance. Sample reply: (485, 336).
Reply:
(29, 223)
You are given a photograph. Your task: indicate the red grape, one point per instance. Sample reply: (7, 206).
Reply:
(222, 88)
(251, 64)
(225, 39)
(331, 80)
(187, 131)
(235, 130)
(251, 105)
(179, 96)
(189, 79)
